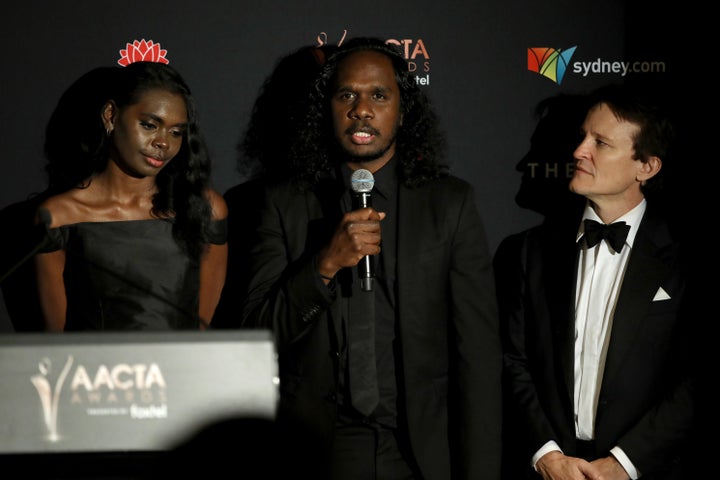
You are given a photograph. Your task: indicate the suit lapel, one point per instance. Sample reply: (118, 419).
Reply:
(645, 270)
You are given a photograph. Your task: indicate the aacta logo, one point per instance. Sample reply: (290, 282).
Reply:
(142, 51)
(549, 62)
(414, 51)
(136, 390)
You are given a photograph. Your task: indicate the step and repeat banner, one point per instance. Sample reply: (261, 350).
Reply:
(485, 65)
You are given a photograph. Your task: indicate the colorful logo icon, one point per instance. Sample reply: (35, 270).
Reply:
(549, 62)
(142, 51)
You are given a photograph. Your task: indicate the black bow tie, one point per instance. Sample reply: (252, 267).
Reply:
(615, 234)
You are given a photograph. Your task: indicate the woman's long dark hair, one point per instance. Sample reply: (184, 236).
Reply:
(76, 145)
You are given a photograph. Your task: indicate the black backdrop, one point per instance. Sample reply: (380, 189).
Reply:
(473, 56)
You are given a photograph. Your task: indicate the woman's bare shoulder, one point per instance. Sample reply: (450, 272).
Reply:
(217, 203)
(59, 210)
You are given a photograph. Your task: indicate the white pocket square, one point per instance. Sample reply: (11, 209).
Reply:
(661, 295)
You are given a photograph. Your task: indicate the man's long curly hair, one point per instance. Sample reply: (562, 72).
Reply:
(420, 143)
(76, 145)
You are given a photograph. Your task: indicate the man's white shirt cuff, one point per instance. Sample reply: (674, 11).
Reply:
(550, 446)
(625, 462)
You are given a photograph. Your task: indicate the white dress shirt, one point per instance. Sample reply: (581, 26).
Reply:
(599, 277)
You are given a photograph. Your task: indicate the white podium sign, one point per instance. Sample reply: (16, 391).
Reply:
(144, 391)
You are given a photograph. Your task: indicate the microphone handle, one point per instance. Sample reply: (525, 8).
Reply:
(366, 267)
(364, 199)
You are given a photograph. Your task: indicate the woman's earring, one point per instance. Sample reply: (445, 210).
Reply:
(108, 131)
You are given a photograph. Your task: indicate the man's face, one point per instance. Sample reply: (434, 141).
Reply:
(365, 105)
(604, 163)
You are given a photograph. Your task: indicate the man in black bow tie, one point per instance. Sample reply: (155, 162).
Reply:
(597, 352)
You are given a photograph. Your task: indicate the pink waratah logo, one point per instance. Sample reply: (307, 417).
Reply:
(142, 51)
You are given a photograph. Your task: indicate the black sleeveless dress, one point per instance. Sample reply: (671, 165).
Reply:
(129, 275)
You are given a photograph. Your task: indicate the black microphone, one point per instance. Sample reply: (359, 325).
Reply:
(362, 183)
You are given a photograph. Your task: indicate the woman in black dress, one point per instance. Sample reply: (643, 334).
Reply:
(138, 239)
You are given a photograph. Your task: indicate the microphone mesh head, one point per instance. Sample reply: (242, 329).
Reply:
(362, 181)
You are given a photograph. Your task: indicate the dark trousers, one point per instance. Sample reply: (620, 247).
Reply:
(367, 451)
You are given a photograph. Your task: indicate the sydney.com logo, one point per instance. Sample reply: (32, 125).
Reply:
(554, 64)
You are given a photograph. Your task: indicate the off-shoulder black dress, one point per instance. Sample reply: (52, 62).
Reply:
(129, 275)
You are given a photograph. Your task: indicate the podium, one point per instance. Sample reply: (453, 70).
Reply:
(129, 392)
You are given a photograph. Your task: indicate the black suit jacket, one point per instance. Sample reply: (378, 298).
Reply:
(451, 357)
(645, 404)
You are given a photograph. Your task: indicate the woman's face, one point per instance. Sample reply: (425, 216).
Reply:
(148, 134)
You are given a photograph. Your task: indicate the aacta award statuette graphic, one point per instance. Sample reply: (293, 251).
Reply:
(50, 396)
